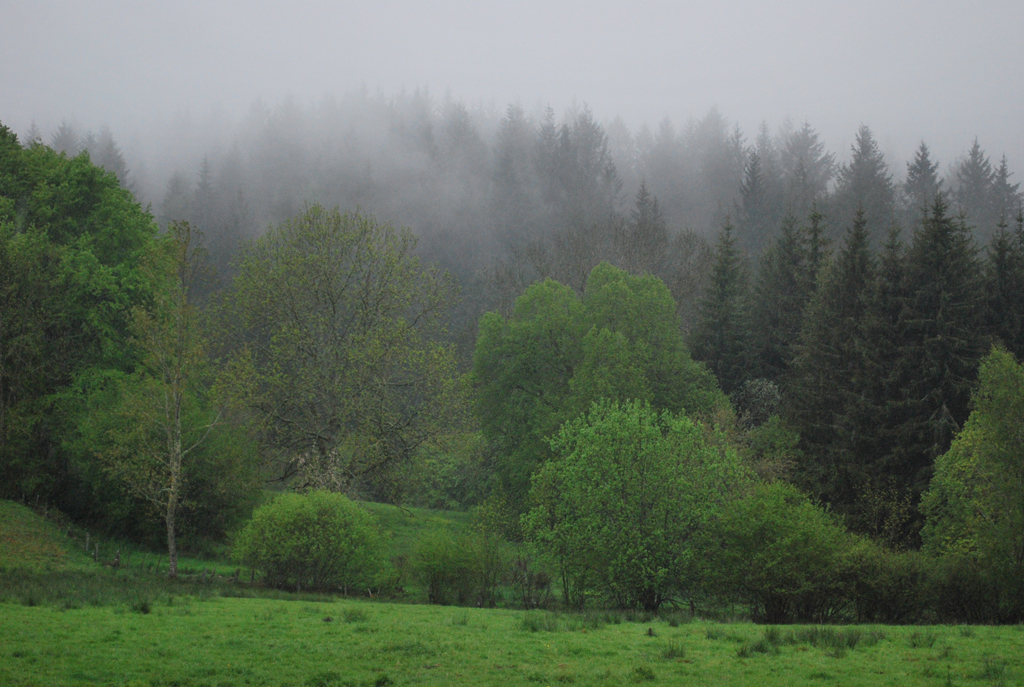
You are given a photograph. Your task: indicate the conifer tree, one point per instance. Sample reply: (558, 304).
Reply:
(642, 242)
(721, 337)
(1004, 289)
(922, 183)
(972, 193)
(865, 184)
(755, 207)
(830, 372)
(781, 294)
(945, 340)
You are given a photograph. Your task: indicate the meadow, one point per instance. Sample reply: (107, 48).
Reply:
(66, 619)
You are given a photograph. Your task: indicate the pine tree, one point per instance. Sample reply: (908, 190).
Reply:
(781, 293)
(721, 338)
(1004, 290)
(829, 373)
(972, 193)
(1006, 197)
(922, 184)
(106, 154)
(807, 170)
(65, 140)
(945, 340)
(865, 184)
(755, 215)
(642, 242)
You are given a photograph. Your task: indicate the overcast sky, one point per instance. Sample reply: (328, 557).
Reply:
(936, 70)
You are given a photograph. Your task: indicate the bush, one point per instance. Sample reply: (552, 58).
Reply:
(783, 555)
(312, 541)
(887, 586)
(445, 568)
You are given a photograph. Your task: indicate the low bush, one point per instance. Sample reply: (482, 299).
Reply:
(445, 568)
(319, 541)
(464, 569)
(886, 586)
(782, 555)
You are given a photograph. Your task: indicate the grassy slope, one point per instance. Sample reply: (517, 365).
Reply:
(406, 525)
(29, 541)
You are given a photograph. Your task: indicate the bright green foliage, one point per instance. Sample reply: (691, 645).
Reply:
(461, 569)
(557, 354)
(312, 541)
(975, 503)
(783, 555)
(722, 336)
(621, 505)
(340, 358)
(70, 246)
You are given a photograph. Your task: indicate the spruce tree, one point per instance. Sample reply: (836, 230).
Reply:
(829, 373)
(865, 184)
(944, 341)
(922, 184)
(781, 294)
(721, 337)
(972, 193)
(1004, 290)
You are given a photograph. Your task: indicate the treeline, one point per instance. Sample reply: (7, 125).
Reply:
(502, 198)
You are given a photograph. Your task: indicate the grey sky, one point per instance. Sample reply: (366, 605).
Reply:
(939, 70)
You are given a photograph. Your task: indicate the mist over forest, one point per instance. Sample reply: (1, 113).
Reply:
(503, 197)
(647, 351)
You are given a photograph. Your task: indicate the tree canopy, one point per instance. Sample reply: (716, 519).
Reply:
(340, 356)
(557, 353)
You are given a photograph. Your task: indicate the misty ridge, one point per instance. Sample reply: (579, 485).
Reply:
(502, 199)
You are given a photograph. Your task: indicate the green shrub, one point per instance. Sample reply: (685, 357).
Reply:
(312, 541)
(959, 591)
(887, 586)
(782, 555)
(445, 567)
(461, 570)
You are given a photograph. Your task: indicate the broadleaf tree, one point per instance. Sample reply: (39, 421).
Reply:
(342, 357)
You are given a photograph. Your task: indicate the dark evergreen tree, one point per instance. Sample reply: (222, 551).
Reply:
(944, 341)
(1004, 289)
(721, 337)
(865, 185)
(754, 210)
(818, 251)
(807, 170)
(1006, 197)
(781, 293)
(825, 399)
(922, 184)
(642, 242)
(972, 192)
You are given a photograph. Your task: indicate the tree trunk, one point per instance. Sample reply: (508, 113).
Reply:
(172, 546)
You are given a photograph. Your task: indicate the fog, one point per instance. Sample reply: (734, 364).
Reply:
(941, 71)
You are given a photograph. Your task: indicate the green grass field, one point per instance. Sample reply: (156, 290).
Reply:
(65, 620)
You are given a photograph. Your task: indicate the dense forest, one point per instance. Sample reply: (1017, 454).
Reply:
(656, 356)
